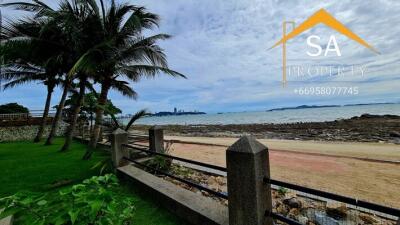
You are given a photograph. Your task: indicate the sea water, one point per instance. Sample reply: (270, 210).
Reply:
(283, 116)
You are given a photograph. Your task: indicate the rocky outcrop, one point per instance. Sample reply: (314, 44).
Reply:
(336, 210)
(364, 128)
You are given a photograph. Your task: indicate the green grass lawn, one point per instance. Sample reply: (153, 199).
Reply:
(35, 167)
(27, 166)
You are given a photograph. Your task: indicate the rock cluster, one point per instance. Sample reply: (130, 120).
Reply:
(289, 204)
(25, 133)
(365, 128)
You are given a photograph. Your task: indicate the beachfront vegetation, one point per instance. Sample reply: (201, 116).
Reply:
(42, 183)
(81, 46)
(134, 118)
(91, 202)
(13, 108)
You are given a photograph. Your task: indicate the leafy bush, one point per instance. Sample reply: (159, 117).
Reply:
(160, 162)
(13, 108)
(92, 202)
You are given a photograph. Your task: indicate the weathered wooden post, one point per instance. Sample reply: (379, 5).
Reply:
(249, 196)
(118, 138)
(156, 139)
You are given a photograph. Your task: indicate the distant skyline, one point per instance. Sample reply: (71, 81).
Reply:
(223, 48)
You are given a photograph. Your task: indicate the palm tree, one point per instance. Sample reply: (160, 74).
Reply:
(72, 17)
(78, 103)
(76, 24)
(27, 75)
(67, 82)
(105, 45)
(77, 18)
(31, 53)
(123, 53)
(74, 116)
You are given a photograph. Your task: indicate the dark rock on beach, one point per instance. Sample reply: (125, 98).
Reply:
(364, 128)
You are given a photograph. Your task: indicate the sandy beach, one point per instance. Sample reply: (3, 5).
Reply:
(368, 171)
(357, 157)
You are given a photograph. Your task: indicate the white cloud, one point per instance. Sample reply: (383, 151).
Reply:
(222, 46)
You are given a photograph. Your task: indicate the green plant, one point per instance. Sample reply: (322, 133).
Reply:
(282, 191)
(105, 165)
(160, 162)
(13, 108)
(138, 115)
(92, 202)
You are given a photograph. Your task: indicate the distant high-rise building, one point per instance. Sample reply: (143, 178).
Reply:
(175, 110)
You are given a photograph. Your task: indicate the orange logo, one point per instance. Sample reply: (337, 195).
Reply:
(321, 16)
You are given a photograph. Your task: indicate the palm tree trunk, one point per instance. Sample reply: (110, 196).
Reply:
(50, 89)
(74, 116)
(101, 102)
(57, 118)
(91, 123)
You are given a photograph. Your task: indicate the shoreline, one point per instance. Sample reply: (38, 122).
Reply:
(365, 128)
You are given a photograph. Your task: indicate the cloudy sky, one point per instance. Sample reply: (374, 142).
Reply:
(224, 49)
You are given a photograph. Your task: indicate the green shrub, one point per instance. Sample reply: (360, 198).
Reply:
(13, 108)
(160, 162)
(92, 202)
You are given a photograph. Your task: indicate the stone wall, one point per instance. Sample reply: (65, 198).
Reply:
(22, 133)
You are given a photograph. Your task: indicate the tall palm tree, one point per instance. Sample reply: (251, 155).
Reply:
(81, 19)
(77, 27)
(105, 45)
(78, 19)
(31, 53)
(123, 53)
(75, 21)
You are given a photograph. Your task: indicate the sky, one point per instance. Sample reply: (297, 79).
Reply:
(223, 47)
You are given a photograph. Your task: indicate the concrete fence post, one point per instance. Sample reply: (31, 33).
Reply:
(156, 139)
(249, 196)
(118, 138)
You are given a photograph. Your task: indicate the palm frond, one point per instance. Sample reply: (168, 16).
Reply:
(86, 63)
(140, 19)
(134, 72)
(18, 82)
(144, 50)
(116, 123)
(89, 61)
(123, 88)
(38, 6)
(135, 117)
